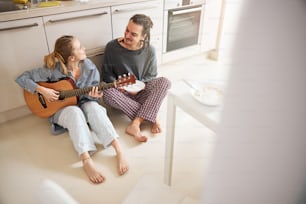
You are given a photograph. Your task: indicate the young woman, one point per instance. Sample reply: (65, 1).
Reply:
(134, 54)
(69, 60)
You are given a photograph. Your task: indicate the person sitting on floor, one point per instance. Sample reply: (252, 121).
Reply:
(134, 54)
(69, 60)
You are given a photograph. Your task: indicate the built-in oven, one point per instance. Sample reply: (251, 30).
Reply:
(182, 23)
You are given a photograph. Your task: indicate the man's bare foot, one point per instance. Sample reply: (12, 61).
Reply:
(134, 130)
(155, 128)
(91, 171)
(122, 165)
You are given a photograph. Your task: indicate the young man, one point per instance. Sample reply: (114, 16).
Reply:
(134, 54)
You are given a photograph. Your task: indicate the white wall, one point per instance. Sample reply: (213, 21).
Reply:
(227, 32)
(260, 152)
(210, 25)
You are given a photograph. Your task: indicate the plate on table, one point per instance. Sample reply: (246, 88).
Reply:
(133, 88)
(208, 95)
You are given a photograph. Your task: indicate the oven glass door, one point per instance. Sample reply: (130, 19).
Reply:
(183, 27)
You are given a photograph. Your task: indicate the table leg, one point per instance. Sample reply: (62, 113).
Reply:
(170, 130)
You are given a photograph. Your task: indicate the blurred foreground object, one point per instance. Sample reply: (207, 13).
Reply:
(259, 156)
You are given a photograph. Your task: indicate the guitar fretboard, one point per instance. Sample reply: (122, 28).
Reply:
(79, 92)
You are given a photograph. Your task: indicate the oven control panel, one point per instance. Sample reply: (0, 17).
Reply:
(172, 4)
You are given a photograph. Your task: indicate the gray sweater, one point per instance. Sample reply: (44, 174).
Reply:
(119, 60)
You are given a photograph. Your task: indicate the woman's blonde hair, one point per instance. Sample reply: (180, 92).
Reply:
(62, 50)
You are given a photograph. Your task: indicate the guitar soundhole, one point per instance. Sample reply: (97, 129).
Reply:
(61, 97)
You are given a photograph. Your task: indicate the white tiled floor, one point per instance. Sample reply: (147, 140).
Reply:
(29, 153)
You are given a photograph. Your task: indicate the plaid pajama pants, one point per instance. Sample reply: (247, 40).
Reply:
(145, 104)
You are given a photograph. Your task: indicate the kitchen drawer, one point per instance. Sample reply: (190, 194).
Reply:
(122, 13)
(92, 27)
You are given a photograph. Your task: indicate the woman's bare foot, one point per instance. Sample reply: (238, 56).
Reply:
(91, 171)
(155, 128)
(122, 165)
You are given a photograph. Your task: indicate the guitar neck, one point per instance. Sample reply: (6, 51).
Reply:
(78, 92)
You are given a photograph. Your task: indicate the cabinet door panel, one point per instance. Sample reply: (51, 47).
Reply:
(23, 45)
(91, 27)
(121, 15)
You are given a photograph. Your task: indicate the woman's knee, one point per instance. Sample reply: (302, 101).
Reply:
(93, 109)
(71, 116)
(74, 111)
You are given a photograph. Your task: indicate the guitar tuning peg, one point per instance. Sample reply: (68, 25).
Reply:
(119, 77)
(124, 75)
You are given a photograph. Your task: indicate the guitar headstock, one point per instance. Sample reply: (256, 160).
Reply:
(125, 80)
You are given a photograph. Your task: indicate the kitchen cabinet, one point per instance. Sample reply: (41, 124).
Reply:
(23, 46)
(92, 27)
(122, 13)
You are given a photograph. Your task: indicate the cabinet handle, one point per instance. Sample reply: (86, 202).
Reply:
(19, 27)
(186, 11)
(133, 9)
(77, 17)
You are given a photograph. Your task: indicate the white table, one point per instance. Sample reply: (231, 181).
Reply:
(180, 96)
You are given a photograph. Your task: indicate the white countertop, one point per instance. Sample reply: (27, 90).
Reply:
(66, 6)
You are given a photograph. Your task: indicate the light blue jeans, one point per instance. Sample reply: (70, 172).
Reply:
(81, 121)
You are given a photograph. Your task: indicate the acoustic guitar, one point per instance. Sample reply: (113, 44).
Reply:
(68, 94)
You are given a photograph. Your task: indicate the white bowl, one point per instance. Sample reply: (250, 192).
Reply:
(135, 88)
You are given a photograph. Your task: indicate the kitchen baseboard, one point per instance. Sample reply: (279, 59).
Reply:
(14, 114)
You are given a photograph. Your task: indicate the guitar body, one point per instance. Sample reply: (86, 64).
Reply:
(41, 107)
